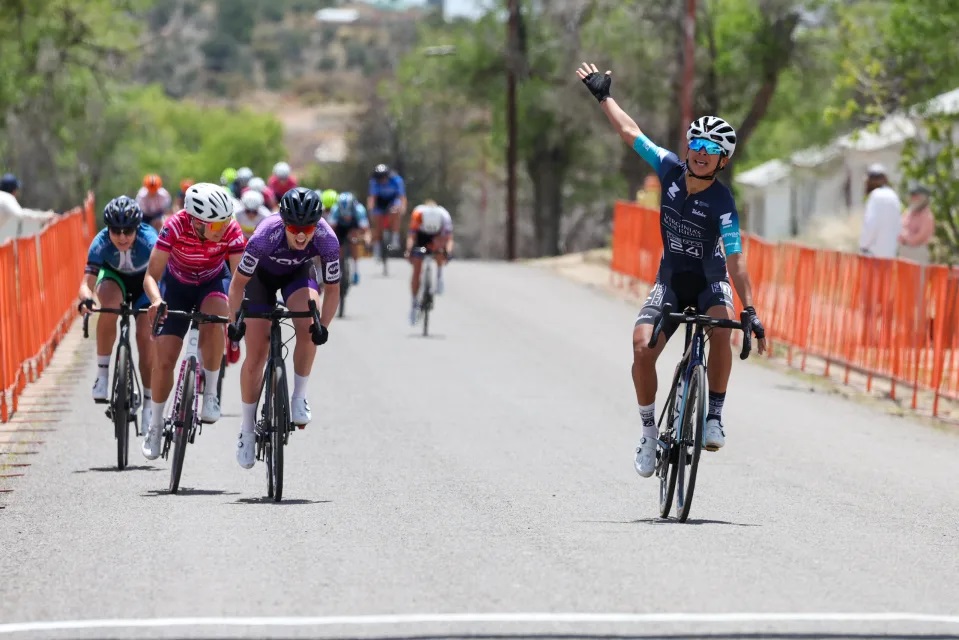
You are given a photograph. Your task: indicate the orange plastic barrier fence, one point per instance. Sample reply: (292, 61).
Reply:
(39, 276)
(890, 319)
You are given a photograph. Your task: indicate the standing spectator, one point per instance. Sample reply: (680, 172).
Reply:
(918, 226)
(882, 221)
(10, 208)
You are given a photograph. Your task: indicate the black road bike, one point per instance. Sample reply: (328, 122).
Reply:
(681, 435)
(126, 395)
(275, 424)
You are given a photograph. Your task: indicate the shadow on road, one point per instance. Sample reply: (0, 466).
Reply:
(266, 500)
(431, 336)
(665, 521)
(109, 469)
(188, 491)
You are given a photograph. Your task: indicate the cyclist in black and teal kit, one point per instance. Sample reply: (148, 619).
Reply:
(700, 230)
(116, 264)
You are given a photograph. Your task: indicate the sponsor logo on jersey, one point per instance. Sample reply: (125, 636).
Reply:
(332, 271)
(701, 203)
(276, 235)
(248, 263)
(697, 212)
(673, 190)
(289, 262)
(727, 218)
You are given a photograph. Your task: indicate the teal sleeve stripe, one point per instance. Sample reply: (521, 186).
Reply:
(649, 151)
(732, 241)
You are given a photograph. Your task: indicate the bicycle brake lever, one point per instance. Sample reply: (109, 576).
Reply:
(747, 335)
(658, 327)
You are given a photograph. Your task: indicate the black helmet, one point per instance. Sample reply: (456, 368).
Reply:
(381, 171)
(301, 206)
(122, 212)
(9, 183)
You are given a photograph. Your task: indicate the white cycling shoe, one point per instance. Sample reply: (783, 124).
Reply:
(151, 444)
(715, 438)
(210, 412)
(246, 449)
(645, 461)
(101, 390)
(300, 410)
(413, 315)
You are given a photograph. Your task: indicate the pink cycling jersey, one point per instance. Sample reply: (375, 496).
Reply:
(192, 260)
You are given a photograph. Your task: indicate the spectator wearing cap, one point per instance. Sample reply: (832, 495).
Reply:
(882, 221)
(918, 226)
(11, 209)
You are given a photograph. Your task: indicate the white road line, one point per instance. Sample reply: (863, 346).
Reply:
(478, 618)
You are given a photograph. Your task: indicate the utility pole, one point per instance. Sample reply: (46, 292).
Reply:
(512, 53)
(689, 74)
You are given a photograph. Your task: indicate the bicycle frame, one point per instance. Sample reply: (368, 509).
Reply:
(192, 349)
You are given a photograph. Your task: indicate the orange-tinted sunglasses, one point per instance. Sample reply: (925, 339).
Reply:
(296, 229)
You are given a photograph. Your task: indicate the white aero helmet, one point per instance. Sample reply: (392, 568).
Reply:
(716, 129)
(243, 174)
(281, 170)
(252, 200)
(257, 184)
(208, 202)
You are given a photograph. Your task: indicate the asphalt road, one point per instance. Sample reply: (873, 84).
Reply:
(488, 470)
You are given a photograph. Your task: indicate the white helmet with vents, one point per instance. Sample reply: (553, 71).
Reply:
(252, 200)
(208, 202)
(716, 129)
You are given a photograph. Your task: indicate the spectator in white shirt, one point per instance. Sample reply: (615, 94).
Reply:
(10, 208)
(883, 219)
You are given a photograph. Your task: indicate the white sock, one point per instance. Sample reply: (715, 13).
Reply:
(157, 418)
(211, 379)
(414, 302)
(248, 421)
(648, 415)
(299, 385)
(103, 366)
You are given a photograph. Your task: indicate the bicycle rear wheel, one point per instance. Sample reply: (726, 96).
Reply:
(281, 426)
(122, 401)
(427, 300)
(690, 441)
(183, 423)
(384, 252)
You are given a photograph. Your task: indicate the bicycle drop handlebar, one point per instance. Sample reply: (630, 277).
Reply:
(687, 317)
(123, 311)
(277, 314)
(193, 316)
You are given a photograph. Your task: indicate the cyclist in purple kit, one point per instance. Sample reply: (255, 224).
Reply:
(279, 257)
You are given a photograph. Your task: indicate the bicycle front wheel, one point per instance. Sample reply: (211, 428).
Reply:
(281, 426)
(384, 252)
(344, 283)
(690, 440)
(427, 300)
(183, 423)
(219, 381)
(666, 458)
(122, 402)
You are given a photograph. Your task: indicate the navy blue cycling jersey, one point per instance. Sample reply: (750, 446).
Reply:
(696, 229)
(103, 253)
(388, 193)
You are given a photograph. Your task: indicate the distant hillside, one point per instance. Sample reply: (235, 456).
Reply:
(228, 47)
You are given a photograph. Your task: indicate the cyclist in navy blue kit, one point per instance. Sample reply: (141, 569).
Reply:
(700, 230)
(386, 204)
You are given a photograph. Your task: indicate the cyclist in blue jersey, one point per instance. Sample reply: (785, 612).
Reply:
(116, 264)
(349, 221)
(702, 251)
(386, 203)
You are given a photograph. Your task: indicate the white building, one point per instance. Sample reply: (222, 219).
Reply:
(781, 196)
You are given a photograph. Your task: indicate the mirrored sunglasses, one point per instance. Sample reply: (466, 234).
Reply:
(712, 148)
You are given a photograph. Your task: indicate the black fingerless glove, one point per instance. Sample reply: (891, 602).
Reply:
(599, 85)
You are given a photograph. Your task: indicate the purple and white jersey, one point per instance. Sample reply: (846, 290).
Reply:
(268, 249)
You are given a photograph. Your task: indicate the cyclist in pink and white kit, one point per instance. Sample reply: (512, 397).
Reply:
(188, 270)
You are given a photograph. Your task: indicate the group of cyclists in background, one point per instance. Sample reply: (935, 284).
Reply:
(216, 247)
